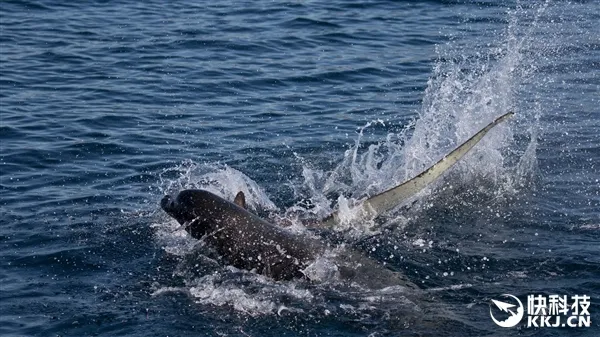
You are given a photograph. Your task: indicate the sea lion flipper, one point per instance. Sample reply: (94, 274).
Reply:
(240, 199)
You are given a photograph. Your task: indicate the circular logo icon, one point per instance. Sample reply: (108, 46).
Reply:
(513, 309)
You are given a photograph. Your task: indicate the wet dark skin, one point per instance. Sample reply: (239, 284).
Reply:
(246, 241)
(243, 239)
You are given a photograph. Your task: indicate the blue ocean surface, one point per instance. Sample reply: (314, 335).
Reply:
(306, 107)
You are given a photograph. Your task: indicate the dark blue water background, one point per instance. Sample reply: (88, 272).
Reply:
(106, 106)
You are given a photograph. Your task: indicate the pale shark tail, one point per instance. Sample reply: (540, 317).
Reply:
(391, 198)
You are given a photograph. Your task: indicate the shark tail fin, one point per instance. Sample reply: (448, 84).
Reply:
(391, 198)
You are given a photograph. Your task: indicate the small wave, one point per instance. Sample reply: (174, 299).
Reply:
(260, 297)
(302, 22)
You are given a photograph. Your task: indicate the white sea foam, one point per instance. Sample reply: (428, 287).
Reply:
(257, 298)
(222, 180)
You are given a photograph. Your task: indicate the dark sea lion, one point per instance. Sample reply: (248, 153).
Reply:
(246, 241)
(243, 239)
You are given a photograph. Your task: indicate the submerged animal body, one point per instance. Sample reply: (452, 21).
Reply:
(243, 239)
(246, 241)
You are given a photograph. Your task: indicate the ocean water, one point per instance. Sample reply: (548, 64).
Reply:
(307, 107)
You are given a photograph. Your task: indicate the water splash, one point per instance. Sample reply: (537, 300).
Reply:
(222, 180)
(468, 88)
(466, 91)
(219, 179)
(256, 297)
